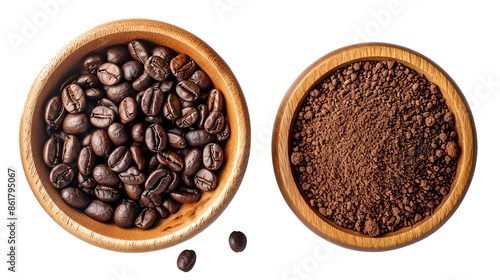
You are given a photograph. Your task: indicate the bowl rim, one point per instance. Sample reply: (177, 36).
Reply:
(240, 133)
(281, 141)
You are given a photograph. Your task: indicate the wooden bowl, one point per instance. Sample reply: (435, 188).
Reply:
(191, 218)
(284, 123)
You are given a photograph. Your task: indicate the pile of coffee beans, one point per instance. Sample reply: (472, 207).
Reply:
(374, 147)
(138, 131)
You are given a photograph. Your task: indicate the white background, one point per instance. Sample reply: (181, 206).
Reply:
(267, 44)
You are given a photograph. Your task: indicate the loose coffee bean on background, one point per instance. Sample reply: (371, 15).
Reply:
(133, 136)
(374, 147)
(237, 241)
(186, 260)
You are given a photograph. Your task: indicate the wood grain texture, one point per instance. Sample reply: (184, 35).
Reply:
(284, 124)
(192, 218)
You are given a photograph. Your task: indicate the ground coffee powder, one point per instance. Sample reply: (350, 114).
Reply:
(374, 147)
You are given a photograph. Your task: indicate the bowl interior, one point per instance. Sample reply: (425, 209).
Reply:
(284, 124)
(191, 218)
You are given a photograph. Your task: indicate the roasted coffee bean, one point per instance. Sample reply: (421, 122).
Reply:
(128, 110)
(117, 54)
(189, 116)
(158, 180)
(102, 116)
(203, 114)
(75, 197)
(100, 143)
(205, 180)
(193, 160)
(198, 138)
(99, 211)
(125, 214)
(176, 140)
(187, 90)
(142, 82)
(182, 66)
(55, 112)
(214, 122)
(86, 160)
(163, 52)
(215, 100)
(107, 193)
(201, 79)
(157, 67)
(61, 175)
(52, 150)
(155, 138)
(132, 70)
(86, 140)
(118, 92)
(103, 175)
(109, 74)
(92, 62)
(171, 160)
(73, 98)
(70, 149)
(164, 86)
(150, 199)
(86, 182)
(87, 80)
(146, 218)
(223, 135)
(185, 195)
(237, 241)
(138, 157)
(118, 134)
(213, 156)
(108, 103)
(133, 191)
(137, 132)
(75, 123)
(93, 93)
(171, 205)
(139, 51)
(120, 159)
(172, 107)
(132, 176)
(186, 260)
(152, 101)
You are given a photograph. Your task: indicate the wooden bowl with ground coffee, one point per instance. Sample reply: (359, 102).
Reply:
(373, 146)
(136, 136)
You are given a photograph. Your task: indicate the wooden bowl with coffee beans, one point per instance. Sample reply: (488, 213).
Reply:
(374, 146)
(136, 136)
